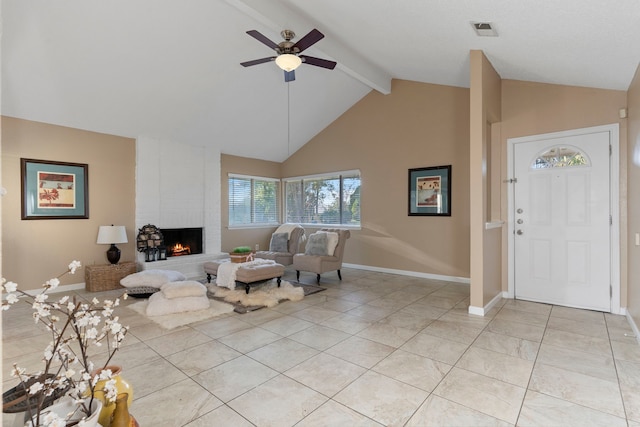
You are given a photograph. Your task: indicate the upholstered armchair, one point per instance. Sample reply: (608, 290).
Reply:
(286, 241)
(321, 254)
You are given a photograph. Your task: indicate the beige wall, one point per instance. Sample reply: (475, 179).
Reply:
(37, 250)
(633, 162)
(383, 136)
(535, 108)
(486, 252)
(243, 166)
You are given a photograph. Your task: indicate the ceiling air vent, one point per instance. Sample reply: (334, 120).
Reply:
(484, 29)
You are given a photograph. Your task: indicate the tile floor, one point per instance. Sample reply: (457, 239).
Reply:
(375, 349)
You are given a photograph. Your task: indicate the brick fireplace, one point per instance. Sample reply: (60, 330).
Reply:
(188, 199)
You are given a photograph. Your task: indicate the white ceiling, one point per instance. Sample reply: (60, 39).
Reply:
(170, 69)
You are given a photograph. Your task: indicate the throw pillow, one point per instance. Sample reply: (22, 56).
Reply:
(279, 242)
(186, 288)
(316, 244)
(154, 278)
(332, 241)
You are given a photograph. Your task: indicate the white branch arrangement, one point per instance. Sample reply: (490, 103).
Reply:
(75, 326)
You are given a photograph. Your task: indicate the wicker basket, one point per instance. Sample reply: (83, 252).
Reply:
(107, 277)
(241, 257)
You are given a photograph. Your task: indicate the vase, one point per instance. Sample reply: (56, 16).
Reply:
(122, 386)
(121, 416)
(66, 405)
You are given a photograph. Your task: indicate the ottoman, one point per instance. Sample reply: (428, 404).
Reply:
(248, 273)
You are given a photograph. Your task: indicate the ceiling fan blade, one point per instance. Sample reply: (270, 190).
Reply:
(318, 62)
(310, 39)
(257, 61)
(263, 39)
(289, 76)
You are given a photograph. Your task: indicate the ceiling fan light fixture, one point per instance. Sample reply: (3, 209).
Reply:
(288, 62)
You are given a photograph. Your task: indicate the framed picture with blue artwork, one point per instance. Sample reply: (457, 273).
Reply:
(54, 190)
(430, 191)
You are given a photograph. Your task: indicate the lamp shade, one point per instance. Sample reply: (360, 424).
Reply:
(288, 62)
(108, 234)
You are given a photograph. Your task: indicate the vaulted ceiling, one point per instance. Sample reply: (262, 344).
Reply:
(170, 69)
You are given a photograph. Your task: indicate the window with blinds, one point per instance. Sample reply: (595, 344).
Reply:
(323, 199)
(253, 200)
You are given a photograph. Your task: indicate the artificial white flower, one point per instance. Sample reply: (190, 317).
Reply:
(105, 374)
(69, 373)
(17, 371)
(41, 298)
(110, 390)
(64, 300)
(10, 287)
(53, 283)
(35, 387)
(91, 333)
(115, 327)
(48, 352)
(51, 419)
(74, 266)
(11, 299)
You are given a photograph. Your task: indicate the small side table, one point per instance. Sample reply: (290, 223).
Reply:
(107, 276)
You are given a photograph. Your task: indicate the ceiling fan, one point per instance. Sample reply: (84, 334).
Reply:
(288, 56)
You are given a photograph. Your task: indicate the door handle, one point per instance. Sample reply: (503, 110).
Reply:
(519, 232)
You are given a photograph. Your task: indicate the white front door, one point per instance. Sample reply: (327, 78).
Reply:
(561, 214)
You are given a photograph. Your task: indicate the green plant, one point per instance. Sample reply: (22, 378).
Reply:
(241, 250)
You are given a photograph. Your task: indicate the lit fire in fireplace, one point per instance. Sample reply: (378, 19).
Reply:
(178, 249)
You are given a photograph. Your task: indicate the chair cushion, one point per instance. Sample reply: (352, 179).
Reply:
(279, 242)
(317, 244)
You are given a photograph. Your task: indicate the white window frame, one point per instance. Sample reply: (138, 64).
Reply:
(328, 175)
(278, 202)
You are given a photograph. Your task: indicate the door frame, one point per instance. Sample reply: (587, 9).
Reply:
(614, 201)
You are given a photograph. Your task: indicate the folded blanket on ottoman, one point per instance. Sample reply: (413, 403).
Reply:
(227, 271)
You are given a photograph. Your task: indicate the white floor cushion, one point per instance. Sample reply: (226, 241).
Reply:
(185, 288)
(159, 304)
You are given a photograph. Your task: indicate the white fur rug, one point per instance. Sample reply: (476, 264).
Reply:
(266, 295)
(171, 321)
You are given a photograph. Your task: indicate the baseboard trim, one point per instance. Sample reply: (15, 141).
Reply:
(481, 311)
(633, 325)
(455, 279)
(59, 289)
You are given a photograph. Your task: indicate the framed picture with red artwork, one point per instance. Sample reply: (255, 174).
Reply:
(430, 191)
(54, 190)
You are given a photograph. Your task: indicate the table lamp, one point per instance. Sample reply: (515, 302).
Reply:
(110, 235)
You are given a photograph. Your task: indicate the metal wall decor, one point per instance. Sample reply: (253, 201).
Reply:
(151, 242)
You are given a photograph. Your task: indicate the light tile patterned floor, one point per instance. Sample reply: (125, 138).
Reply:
(375, 349)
